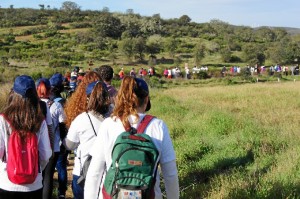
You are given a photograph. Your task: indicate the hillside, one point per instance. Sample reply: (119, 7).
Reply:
(39, 38)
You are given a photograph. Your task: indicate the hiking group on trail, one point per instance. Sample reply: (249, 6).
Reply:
(120, 151)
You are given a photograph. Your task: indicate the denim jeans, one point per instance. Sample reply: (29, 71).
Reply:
(61, 167)
(77, 190)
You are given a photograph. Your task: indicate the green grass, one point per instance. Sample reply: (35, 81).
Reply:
(234, 141)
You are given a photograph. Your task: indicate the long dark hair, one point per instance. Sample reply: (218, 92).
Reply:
(99, 99)
(24, 113)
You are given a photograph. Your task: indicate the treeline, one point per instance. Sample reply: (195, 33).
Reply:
(104, 35)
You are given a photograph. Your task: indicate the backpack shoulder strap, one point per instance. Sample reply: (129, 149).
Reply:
(144, 123)
(91, 123)
(49, 103)
(58, 99)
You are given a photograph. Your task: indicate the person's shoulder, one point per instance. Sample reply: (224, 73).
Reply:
(157, 120)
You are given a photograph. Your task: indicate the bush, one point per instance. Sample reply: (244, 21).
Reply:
(156, 82)
(36, 75)
(200, 75)
(59, 63)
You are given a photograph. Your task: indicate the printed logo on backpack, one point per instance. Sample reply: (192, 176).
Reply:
(134, 166)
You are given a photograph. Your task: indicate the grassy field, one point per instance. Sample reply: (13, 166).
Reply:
(233, 141)
(237, 141)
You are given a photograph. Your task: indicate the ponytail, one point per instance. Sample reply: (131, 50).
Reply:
(126, 101)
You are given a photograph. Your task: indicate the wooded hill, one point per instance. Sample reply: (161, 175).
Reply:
(69, 36)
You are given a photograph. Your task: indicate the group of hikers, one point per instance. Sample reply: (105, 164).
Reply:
(120, 151)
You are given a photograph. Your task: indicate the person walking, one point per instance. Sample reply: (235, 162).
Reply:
(132, 102)
(84, 128)
(58, 117)
(22, 118)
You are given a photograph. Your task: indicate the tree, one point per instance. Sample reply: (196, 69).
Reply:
(106, 25)
(265, 34)
(42, 6)
(126, 47)
(226, 54)
(131, 25)
(154, 44)
(254, 54)
(139, 47)
(171, 45)
(244, 34)
(151, 26)
(70, 6)
(129, 11)
(199, 53)
(184, 20)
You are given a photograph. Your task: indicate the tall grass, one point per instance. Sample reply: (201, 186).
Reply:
(238, 141)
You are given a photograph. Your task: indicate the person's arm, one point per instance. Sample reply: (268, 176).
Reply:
(44, 147)
(50, 127)
(96, 169)
(69, 144)
(94, 178)
(168, 165)
(170, 176)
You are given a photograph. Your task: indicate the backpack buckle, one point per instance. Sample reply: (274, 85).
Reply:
(133, 131)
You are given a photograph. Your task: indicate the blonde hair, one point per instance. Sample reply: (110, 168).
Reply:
(127, 101)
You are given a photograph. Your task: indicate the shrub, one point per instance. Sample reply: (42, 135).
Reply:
(59, 63)
(36, 75)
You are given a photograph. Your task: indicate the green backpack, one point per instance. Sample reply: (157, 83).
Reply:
(134, 165)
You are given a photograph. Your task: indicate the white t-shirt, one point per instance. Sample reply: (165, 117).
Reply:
(81, 131)
(45, 153)
(58, 116)
(103, 145)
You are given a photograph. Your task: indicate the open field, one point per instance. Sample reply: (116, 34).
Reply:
(234, 141)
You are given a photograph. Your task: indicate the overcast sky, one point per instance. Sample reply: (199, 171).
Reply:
(254, 13)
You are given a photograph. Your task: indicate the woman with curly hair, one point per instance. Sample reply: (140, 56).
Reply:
(77, 103)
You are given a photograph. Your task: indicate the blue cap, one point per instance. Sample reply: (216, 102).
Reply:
(56, 80)
(22, 84)
(142, 85)
(90, 87)
(45, 80)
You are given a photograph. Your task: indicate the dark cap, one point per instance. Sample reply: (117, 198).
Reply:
(56, 80)
(45, 80)
(22, 84)
(142, 90)
(90, 87)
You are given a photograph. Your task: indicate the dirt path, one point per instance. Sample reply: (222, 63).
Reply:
(69, 193)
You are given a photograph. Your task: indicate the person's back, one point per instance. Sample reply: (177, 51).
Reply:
(24, 116)
(84, 128)
(124, 118)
